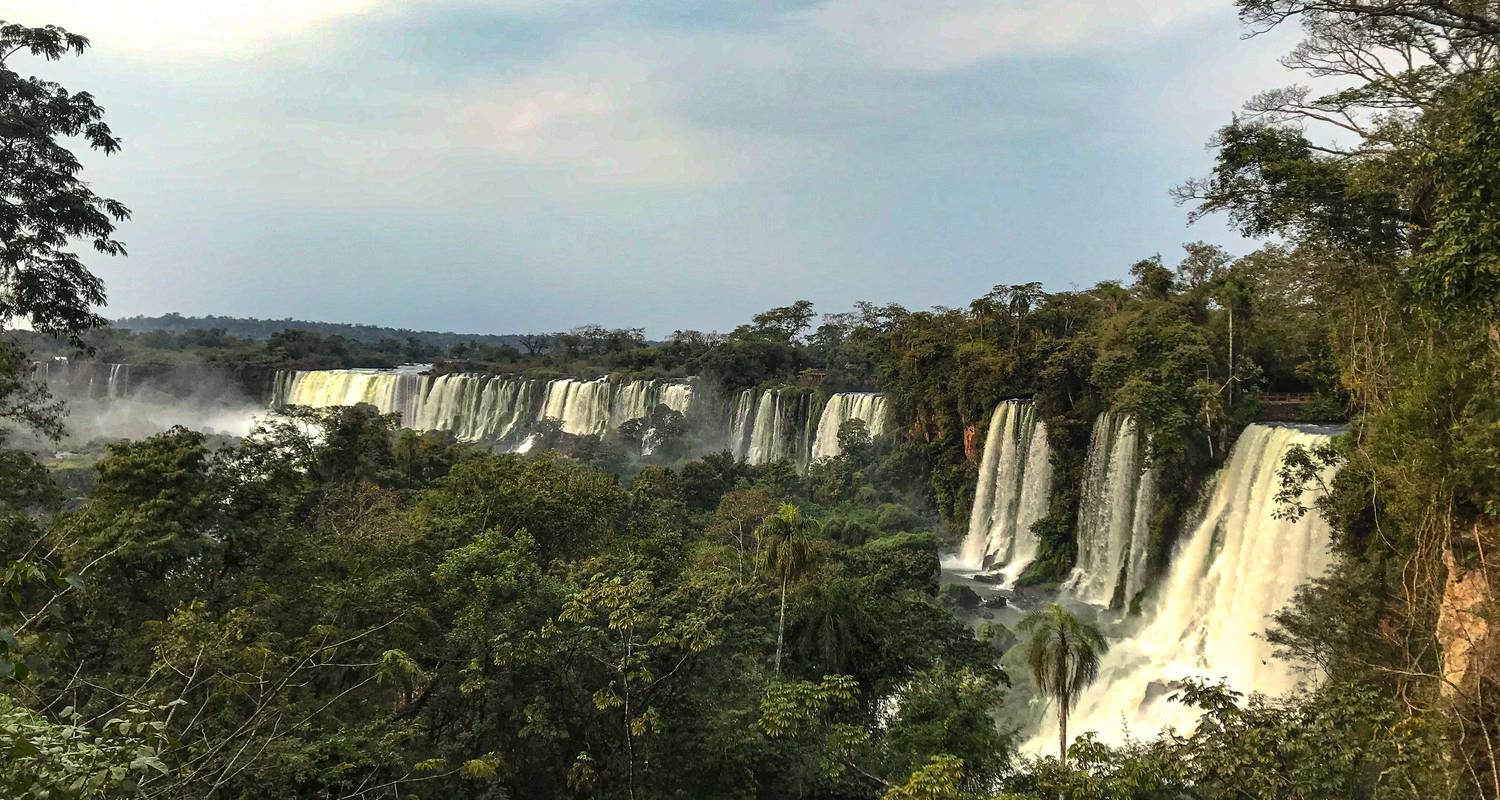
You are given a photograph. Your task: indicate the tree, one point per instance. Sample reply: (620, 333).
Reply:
(618, 621)
(1202, 263)
(74, 761)
(1458, 269)
(836, 624)
(855, 442)
(44, 205)
(786, 554)
(1152, 280)
(1023, 297)
(44, 202)
(739, 514)
(534, 342)
(1389, 57)
(1063, 656)
(786, 322)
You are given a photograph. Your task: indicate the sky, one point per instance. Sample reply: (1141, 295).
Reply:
(503, 166)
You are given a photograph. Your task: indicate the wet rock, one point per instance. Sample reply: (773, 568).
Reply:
(1156, 690)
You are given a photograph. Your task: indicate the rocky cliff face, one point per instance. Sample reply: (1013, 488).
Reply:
(1468, 629)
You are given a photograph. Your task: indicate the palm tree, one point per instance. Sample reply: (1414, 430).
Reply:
(835, 624)
(1064, 659)
(786, 554)
(1022, 297)
(982, 309)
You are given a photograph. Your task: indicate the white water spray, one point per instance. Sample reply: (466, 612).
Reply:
(1015, 483)
(1240, 565)
(480, 407)
(1114, 514)
(869, 407)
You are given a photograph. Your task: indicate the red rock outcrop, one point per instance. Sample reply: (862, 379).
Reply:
(1468, 630)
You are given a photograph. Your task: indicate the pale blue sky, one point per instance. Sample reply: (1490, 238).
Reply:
(513, 165)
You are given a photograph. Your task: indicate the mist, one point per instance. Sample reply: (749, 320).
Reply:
(111, 402)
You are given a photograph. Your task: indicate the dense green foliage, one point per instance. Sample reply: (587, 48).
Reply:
(347, 605)
(262, 329)
(44, 204)
(335, 607)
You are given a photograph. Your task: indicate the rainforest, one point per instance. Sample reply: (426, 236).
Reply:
(1223, 527)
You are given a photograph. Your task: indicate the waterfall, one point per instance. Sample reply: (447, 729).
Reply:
(482, 407)
(741, 424)
(771, 424)
(1114, 514)
(637, 399)
(93, 379)
(869, 407)
(676, 396)
(391, 392)
(131, 401)
(767, 440)
(1239, 565)
(1015, 482)
(476, 408)
(119, 380)
(581, 406)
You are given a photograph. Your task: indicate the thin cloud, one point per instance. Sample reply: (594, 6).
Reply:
(944, 35)
(199, 28)
(207, 30)
(597, 129)
(513, 164)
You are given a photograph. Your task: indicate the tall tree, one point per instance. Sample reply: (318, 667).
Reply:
(787, 322)
(1063, 656)
(786, 554)
(836, 625)
(45, 205)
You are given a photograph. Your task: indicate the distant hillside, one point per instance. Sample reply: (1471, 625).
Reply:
(261, 329)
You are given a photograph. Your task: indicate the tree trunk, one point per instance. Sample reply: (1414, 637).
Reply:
(1062, 731)
(629, 734)
(1231, 355)
(781, 624)
(630, 755)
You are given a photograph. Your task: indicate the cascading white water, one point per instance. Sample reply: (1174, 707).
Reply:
(637, 399)
(771, 424)
(676, 396)
(130, 401)
(1239, 565)
(475, 408)
(391, 392)
(767, 439)
(1140, 537)
(871, 408)
(1114, 514)
(741, 424)
(93, 379)
(581, 406)
(1015, 483)
(119, 380)
(480, 407)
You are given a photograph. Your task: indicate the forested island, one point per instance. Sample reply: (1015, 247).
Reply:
(1225, 527)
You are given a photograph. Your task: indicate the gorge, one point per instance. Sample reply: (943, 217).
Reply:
(780, 401)
(763, 426)
(1237, 562)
